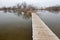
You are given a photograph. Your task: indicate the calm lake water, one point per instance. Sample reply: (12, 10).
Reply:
(15, 26)
(52, 20)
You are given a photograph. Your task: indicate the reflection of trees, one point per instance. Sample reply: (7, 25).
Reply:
(24, 14)
(55, 12)
(5, 11)
(27, 15)
(19, 13)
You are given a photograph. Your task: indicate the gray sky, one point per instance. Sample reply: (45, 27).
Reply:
(35, 2)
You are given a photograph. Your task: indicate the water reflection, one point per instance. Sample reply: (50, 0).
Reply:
(26, 15)
(51, 11)
(52, 19)
(15, 25)
(54, 11)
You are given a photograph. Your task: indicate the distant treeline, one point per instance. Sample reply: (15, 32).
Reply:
(53, 8)
(19, 7)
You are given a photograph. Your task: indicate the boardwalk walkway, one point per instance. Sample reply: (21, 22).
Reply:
(40, 30)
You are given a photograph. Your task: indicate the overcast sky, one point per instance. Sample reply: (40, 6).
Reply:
(35, 2)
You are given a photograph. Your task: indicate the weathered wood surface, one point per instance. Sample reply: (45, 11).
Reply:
(41, 30)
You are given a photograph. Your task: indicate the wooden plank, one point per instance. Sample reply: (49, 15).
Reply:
(41, 30)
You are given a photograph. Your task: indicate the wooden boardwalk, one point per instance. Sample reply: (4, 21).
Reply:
(41, 30)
